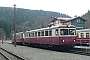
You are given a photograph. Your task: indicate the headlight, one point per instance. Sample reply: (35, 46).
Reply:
(63, 41)
(74, 40)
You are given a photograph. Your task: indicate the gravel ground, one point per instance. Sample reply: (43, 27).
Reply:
(30, 53)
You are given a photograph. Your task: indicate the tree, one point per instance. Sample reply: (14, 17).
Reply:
(2, 34)
(26, 19)
(41, 22)
(87, 17)
(6, 26)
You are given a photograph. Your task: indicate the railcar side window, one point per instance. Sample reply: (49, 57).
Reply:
(77, 35)
(26, 34)
(64, 31)
(50, 32)
(22, 35)
(35, 34)
(46, 33)
(17, 36)
(82, 35)
(29, 34)
(38, 33)
(42, 33)
(87, 35)
(56, 32)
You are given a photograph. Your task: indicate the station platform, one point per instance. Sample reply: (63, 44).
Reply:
(82, 47)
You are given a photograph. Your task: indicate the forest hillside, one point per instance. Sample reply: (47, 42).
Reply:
(87, 17)
(26, 19)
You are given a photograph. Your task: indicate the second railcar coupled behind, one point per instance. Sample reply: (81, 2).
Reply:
(83, 36)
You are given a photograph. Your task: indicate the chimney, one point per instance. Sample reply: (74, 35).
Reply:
(75, 16)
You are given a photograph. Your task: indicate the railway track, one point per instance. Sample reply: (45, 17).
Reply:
(9, 55)
(79, 52)
(75, 51)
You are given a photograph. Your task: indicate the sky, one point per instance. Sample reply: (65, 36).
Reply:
(69, 7)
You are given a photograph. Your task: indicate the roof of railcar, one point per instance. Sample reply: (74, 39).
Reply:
(83, 30)
(18, 33)
(47, 28)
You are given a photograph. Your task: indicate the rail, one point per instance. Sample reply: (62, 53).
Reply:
(9, 55)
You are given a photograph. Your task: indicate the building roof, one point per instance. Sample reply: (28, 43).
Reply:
(66, 19)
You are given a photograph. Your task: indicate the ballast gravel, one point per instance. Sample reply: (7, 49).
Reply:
(30, 53)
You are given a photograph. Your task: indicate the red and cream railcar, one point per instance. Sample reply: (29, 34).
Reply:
(19, 38)
(52, 36)
(83, 36)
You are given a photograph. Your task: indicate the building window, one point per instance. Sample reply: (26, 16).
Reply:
(78, 20)
(59, 22)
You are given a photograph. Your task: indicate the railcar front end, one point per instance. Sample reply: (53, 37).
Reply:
(64, 37)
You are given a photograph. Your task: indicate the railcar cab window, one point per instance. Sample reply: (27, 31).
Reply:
(56, 32)
(71, 31)
(64, 31)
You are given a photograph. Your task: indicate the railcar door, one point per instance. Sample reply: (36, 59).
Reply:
(55, 37)
(50, 37)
